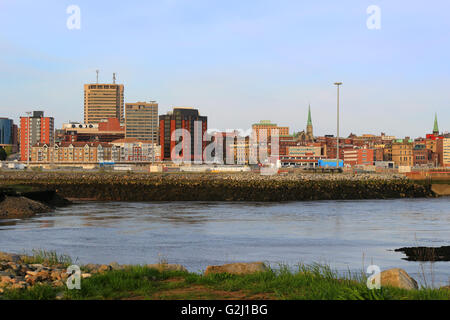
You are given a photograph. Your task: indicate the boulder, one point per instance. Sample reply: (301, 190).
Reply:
(398, 278)
(104, 268)
(167, 267)
(237, 268)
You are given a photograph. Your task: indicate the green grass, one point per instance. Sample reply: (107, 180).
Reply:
(308, 282)
(37, 292)
(50, 258)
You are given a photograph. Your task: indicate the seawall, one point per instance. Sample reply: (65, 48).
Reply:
(217, 187)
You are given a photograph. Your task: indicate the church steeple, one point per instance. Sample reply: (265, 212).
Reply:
(309, 126)
(435, 128)
(309, 116)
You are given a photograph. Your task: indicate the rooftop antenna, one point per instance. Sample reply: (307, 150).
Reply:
(97, 74)
(114, 78)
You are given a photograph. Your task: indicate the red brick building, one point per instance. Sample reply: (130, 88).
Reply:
(183, 118)
(35, 129)
(360, 156)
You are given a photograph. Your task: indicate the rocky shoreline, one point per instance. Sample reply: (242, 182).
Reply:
(112, 186)
(21, 272)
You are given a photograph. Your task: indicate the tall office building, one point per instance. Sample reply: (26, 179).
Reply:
(6, 131)
(8, 135)
(35, 129)
(141, 121)
(182, 118)
(103, 101)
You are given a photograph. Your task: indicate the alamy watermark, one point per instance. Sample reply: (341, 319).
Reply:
(260, 147)
(374, 280)
(74, 20)
(74, 279)
(374, 20)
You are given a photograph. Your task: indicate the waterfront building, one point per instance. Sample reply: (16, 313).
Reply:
(308, 161)
(74, 152)
(141, 121)
(421, 155)
(265, 128)
(134, 150)
(311, 149)
(104, 131)
(190, 120)
(8, 135)
(358, 156)
(402, 152)
(443, 151)
(35, 129)
(103, 101)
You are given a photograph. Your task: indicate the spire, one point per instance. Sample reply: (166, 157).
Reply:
(435, 128)
(309, 116)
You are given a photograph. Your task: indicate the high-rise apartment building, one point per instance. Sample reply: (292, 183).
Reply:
(182, 118)
(35, 129)
(141, 121)
(103, 101)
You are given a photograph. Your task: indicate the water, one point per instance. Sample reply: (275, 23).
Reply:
(344, 234)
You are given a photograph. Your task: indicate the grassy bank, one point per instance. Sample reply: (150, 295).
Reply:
(212, 187)
(313, 282)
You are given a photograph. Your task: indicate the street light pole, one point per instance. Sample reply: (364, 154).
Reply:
(338, 84)
(28, 140)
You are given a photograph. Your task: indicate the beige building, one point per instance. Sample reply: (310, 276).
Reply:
(266, 129)
(103, 101)
(402, 152)
(443, 148)
(141, 121)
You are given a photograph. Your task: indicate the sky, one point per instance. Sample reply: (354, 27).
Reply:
(237, 61)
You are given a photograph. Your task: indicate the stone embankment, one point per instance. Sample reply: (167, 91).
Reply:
(218, 187)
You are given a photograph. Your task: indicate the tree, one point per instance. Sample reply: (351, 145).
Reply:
(3, 154)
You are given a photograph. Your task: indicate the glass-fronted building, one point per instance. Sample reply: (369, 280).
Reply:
(6, 131)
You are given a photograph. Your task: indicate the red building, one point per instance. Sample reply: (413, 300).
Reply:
(105, 131)
(354, 157)
(190, 120)
(35, 129)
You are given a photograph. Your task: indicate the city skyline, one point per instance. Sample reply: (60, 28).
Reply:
(237, 66)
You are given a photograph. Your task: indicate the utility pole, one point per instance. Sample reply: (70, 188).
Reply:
(338, 84)
(28, 139)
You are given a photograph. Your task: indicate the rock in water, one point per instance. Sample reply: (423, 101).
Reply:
(398, 278)
(21, 207)
(237, 268)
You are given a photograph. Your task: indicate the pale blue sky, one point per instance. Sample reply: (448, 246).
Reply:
(236, 61)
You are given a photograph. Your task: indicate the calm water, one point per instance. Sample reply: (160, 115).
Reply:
(343, 234)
